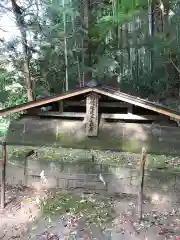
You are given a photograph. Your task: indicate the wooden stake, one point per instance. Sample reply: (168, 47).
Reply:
(3, 179)
(141, 184)
(25, 171)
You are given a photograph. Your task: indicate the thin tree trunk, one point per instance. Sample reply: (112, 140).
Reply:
(82, 80)
(135, 50)
(157, 16)
(81, 83)
(151, 32)
(75, 44)
(65, 50)
(119, 44)
(127, 45)
(178, 41)
(161, 13)
(18, 12)
(86, 43)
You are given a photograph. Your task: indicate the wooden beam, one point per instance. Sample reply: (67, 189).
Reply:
(92, 107)
(63, 114)
(75, 103)
(112, 93)
(60, 106)
(101, 104)
(176, 120)
(103, 115)
(138, 102)
(33, 111)
(130, 109)
(43, 101)
(128, 116)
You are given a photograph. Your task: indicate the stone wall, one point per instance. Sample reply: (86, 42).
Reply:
(112, 136)
(158, 186)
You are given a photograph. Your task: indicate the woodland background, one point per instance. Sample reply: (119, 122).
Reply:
(62, 44)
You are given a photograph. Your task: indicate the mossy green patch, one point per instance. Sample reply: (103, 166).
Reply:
(18, 153)
(92, 209)
(168, 163)
(59, 136)
(130, 145)
(90, 158)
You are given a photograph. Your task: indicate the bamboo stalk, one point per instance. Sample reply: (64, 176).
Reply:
(76, 45)
(65, 49)
(151, 31)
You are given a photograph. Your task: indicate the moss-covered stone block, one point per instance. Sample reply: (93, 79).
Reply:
(70, 134)
(130, 137)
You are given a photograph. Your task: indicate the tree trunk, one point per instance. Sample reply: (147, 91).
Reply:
(151, 33)
(127, 45)
(65, 50)
(87, 74)
(18, 12)
(161, 25)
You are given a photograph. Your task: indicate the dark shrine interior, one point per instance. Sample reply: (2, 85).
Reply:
(77, 104)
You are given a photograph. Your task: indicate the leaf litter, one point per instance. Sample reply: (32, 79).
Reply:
(83, 215)
(90, 210)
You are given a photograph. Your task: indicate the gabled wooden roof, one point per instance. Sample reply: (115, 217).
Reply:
(107, 91)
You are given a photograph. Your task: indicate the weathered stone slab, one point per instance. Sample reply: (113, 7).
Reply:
(118, 136)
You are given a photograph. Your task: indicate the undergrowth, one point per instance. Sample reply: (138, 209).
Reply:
(90, 208)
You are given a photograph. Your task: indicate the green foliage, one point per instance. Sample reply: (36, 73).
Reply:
(93, 210)
(116, 49)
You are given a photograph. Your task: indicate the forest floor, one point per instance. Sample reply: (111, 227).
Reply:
(68, 215)
(83, 214)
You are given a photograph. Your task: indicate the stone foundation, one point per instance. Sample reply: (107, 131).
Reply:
(119, 136)
(161, 188)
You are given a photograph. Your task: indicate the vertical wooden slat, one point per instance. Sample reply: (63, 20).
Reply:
(61, 106)
(92, 105)
(130, 109)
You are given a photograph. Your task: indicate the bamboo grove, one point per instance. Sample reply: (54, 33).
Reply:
(62, 44)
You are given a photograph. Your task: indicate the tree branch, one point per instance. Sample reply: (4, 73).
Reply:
(177, 69)
(8, 9)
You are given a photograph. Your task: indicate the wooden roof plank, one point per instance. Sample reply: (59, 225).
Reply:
(138, 102)
(106, 91)
(43, 101)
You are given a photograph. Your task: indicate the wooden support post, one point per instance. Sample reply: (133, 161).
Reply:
(141, 184)
(61, 106)
(130, 109)
(25, 171)
(3, 179)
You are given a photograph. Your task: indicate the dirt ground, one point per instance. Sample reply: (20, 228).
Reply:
(21, 210)
(22, 219)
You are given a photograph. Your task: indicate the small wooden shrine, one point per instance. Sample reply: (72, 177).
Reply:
(96, 117)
